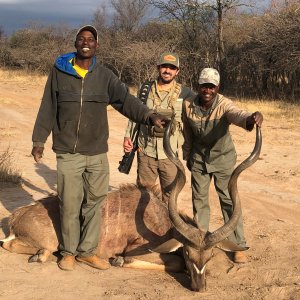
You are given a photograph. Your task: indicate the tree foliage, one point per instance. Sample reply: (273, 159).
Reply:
(258, 54)
(128, 14)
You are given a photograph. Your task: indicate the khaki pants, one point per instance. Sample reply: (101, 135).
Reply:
(200, 190)
(149, 169)
(82, 184)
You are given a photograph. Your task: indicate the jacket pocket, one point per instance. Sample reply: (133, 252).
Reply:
(103, 98)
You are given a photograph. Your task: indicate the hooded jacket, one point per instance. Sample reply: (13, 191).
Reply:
(75, 108)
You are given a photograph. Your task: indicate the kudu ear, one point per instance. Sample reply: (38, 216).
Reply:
(229, 246)
(167, 247)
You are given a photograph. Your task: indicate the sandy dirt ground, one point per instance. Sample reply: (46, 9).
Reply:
(269, 191)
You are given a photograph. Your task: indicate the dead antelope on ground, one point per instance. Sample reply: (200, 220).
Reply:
(138, 230)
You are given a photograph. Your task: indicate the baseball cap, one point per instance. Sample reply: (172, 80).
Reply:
(169, 58)
(90, 28)
(209, 75)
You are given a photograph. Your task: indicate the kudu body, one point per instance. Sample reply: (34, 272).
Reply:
(135, 222)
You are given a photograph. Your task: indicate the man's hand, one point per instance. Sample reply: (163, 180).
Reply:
(158, 120)
(127, 144)
(256, 118)
(37, 153)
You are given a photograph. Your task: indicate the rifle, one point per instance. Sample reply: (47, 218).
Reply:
(127, 159)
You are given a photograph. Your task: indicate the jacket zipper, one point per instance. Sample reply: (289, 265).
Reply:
(78, 124)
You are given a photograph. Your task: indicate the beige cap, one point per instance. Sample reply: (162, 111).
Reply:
(209, 75)
(90, 28)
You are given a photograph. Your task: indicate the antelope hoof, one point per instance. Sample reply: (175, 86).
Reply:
(33, 258)
(41, 256)
(118, 261)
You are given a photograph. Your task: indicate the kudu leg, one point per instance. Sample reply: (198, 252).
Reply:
(17, 246)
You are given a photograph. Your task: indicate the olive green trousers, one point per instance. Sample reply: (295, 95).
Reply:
(200, 194)
(82, 184)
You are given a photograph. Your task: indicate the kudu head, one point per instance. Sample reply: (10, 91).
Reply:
(197, 243)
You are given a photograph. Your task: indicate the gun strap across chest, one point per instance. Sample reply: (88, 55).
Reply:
(144, 91)
(171, 97)
(143, 96)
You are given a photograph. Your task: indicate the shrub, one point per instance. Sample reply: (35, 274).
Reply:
(8, 174)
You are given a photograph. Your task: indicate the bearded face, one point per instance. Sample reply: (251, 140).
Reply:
(167, 73)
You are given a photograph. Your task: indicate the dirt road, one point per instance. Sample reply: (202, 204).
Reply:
(269, 191)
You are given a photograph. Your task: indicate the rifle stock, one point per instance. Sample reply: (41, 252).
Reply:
(127, 159)
(126, 162)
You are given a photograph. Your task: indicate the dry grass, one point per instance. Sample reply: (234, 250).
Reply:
(22, 77)
(273, 110)
(8, 174)
(6, 130)
(279, 110)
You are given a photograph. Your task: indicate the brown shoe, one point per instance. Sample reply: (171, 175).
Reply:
(94, 261)
(67, 263)
(240, 257)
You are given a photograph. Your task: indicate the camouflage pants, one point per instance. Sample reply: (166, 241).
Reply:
(149, 169)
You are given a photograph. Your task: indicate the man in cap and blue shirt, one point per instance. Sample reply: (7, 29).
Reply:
(74, 109)
(165, 96)
(209, 149)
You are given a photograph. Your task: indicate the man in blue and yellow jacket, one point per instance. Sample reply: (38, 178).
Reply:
(74, 109)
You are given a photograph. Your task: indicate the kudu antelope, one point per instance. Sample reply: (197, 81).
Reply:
(135, 224)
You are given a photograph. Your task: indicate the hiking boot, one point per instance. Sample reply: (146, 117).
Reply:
(67, 263)
(240, 257)
(94, 261)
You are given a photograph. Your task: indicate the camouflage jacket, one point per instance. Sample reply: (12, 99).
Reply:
(149, 144)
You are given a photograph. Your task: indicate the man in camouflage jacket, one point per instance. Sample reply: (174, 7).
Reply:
(165, 96)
